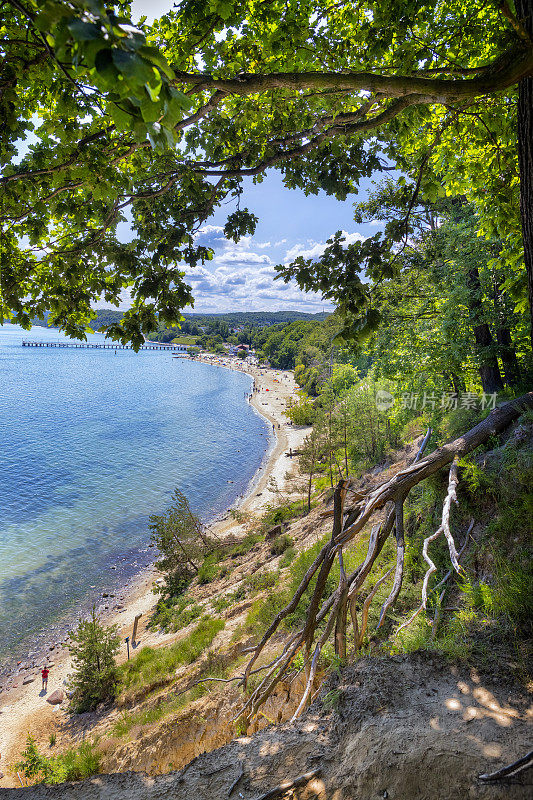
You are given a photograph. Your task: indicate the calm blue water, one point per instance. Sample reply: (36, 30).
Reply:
(91, 444)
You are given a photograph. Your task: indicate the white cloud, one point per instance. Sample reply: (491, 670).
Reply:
(316, 249)
(242, 257)
(206, 229)
(243, 281)
(241, 276)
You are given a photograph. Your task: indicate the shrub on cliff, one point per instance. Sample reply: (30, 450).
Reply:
(183, 544)
(93, 651)
(72, 765)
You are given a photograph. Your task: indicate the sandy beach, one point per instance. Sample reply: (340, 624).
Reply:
(23, 707)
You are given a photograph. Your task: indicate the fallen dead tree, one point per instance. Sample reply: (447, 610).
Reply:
(328, 616)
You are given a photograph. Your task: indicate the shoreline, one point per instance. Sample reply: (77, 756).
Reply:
(20, 701)
(122, 572)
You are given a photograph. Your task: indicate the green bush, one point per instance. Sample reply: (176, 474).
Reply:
(263, 611)
(209, 569)
(304, 412)
(182, 543)
(168, 610)
(245, 545)
(73, 765)
(287, 558)
(276, 515)
(227, 600)
(261, 580)
(280, 544)
(153, 665)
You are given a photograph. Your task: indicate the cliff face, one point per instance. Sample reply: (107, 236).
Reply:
(201, 727)
(402, 727)
(410, 726)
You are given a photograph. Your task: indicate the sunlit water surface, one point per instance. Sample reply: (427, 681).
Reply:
(91, 444)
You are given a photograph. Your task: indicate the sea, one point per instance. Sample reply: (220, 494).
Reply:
(93, 442)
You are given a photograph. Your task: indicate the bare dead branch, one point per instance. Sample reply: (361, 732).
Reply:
(400, 556)
(366, 607)
(389, 495)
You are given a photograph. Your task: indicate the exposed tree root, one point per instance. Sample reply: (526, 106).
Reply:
(441, 583)
(236, 781)
(511, 769)
(333, 610)
(284, 787)
(451, 496)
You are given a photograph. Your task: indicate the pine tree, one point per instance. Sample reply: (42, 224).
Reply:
(93, 651)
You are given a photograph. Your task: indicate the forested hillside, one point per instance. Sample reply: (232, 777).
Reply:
(446, 320)
(383, 593)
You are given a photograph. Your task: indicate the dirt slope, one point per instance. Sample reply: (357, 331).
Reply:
(404, 728)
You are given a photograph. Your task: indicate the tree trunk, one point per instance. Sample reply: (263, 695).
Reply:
(489, 371)
(457, 382)
(524, 12)
(511, 368)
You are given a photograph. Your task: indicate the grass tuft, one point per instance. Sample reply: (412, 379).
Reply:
(151, 665)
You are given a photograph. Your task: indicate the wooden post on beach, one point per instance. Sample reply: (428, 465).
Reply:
(135, 623)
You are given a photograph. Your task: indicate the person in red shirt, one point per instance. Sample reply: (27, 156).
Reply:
(44, 675)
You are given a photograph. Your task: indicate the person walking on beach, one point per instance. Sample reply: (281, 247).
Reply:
(44, 675)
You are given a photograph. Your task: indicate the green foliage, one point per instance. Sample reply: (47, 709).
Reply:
(72, 765)
(176, 614)
(245, 545)
(303, 412)
(331, 699)
(276, 515)
(287, 558)
(209, 569)
(227, 600)
(509, 594)
(149, 716)
(280, 544)
(280, 344)
(261, 580)
(151, 666)
(264, 610)
(183, 545)
(493, 610)
(329, 660)
(128, 124)
(93, 649)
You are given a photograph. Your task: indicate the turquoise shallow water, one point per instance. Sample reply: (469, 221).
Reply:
(91, 444)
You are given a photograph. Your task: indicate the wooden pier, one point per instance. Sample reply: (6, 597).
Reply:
(173, 348)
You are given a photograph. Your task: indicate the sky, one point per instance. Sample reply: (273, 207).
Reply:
(241, 276)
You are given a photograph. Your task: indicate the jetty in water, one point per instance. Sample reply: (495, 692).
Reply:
(173, 348)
